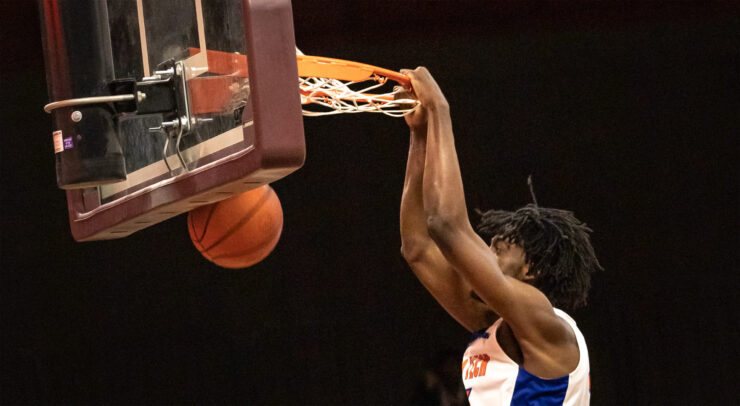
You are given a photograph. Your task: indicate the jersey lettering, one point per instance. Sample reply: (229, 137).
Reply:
(476, 366)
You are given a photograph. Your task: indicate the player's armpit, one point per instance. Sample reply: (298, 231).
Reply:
(525, 309)
(449, 288)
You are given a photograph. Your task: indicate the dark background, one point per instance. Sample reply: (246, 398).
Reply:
(626, 113)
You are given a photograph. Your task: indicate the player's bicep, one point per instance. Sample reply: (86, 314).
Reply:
(450, 289)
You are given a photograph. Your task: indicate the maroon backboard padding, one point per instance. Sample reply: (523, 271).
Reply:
(274, 82)
(278, 128)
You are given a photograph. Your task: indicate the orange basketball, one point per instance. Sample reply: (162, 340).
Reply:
(240, 231)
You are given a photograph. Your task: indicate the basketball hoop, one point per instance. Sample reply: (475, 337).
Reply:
(337, 86)
(333, 86)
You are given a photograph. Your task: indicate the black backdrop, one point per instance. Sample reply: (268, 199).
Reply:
(626, 113)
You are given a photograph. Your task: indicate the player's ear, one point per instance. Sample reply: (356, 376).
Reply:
(526, 276)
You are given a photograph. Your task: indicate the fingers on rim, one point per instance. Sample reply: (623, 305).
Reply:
(403, 95)
(403, 90)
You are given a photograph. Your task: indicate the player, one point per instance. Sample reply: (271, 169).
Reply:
(525, 351)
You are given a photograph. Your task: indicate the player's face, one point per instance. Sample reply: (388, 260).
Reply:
(510, 258)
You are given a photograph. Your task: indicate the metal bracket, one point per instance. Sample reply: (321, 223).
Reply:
(182, 124)
(165, 92)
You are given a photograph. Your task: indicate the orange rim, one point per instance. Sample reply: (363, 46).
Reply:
(323, 67)
(227, 63)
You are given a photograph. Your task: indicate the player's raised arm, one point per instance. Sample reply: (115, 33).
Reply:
(420, 251)
(524, 308)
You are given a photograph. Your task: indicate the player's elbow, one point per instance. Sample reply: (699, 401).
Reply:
(413, 250)
(409, 254)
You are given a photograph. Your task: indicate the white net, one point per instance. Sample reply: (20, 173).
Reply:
(322, 97)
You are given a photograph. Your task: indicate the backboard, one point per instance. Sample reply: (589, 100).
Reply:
(161, 106)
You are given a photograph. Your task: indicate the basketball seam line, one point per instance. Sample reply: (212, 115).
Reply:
(198, 244)
(261, 245)
(208, 220)
(245, 218)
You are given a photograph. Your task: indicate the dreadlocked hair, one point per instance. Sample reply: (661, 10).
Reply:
(556, 246)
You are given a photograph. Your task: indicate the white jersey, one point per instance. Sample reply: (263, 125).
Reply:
(491, 378)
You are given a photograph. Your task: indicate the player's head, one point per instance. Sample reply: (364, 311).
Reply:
(556, 247)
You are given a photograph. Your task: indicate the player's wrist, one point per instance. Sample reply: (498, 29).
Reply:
(438, 106)
(419, 128)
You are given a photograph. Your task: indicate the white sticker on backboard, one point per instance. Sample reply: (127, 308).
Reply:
(58, 141)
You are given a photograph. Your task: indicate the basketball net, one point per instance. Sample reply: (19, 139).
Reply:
(335, 86)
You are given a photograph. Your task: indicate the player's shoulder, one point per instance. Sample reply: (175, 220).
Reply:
(557, 352)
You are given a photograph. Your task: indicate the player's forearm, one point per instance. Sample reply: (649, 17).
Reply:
(444, 198)
(414, 233)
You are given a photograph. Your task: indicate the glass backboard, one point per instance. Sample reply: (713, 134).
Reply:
(161, 106)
